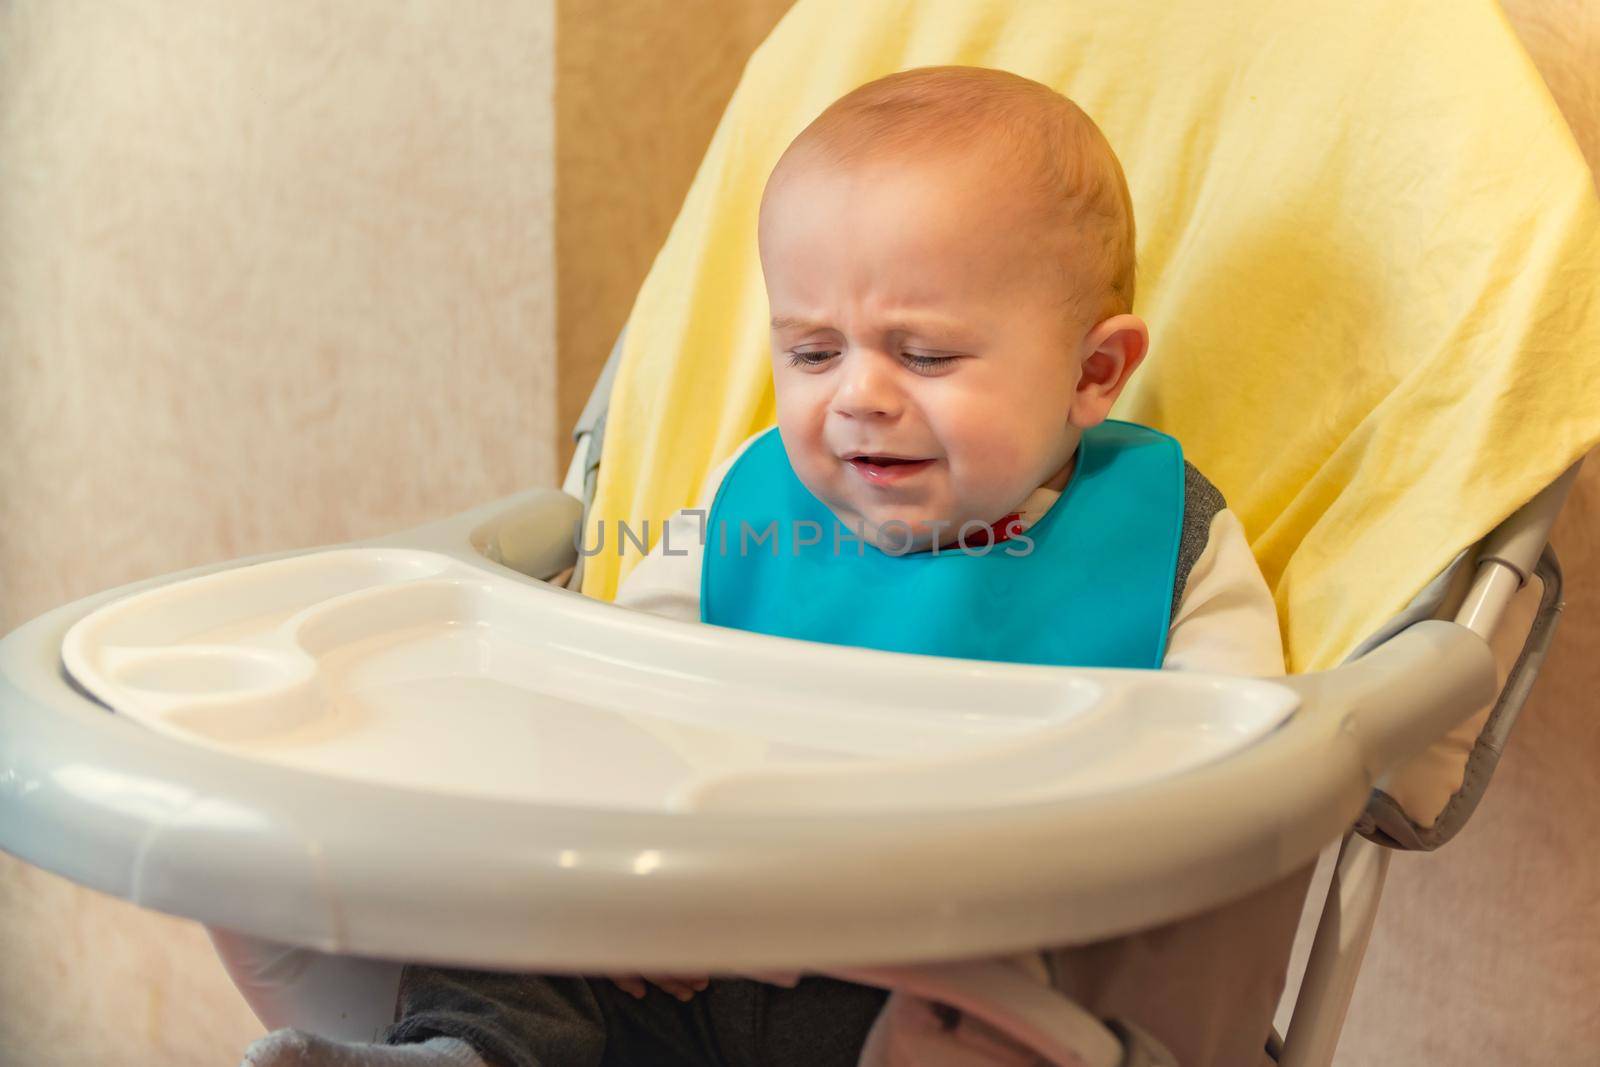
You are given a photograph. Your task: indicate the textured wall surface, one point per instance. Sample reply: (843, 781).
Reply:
(271, 275)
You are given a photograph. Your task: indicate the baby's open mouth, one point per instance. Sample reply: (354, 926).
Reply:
(886, 469)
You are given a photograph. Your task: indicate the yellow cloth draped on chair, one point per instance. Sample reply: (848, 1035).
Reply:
(1367, 253)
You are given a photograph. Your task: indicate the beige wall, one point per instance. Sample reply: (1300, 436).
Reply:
(270, 275)
(310, 247)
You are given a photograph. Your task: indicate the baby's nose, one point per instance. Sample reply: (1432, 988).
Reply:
(867, 389)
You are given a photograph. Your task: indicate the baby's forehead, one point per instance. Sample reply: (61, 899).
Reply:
(1027, 159)
(926, 208)
(990, 161)
(952, 190)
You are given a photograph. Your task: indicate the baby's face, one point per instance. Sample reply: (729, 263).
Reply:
(925, 364)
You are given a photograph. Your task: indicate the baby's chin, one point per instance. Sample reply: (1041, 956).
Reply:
(897, 533)
(897, 528)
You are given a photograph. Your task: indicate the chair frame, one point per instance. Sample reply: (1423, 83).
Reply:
(1502, 563)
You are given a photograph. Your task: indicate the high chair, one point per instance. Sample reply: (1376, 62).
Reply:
(1373, 319)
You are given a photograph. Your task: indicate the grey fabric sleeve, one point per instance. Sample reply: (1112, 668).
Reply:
(1201, 503)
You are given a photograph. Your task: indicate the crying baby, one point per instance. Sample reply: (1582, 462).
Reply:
(949, 262)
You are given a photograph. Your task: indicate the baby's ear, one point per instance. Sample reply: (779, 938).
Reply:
(1112, 350)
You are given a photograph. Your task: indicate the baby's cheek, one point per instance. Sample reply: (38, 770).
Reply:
(996, 453)
(989, 474)
(812, 472)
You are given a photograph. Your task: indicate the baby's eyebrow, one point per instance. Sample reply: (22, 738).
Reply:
(784, 322)
(933, 328)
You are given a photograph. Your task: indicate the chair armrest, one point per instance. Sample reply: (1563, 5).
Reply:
(533, 532)
(1406, 693)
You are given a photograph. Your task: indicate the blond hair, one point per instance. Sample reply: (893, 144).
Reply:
(1050, 143)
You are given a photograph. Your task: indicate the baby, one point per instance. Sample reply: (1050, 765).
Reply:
(949, 261)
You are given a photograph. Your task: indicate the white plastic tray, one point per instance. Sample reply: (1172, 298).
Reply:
(415, 669)
(817, 806)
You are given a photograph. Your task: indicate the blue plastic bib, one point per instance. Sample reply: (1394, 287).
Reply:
(1088, 585)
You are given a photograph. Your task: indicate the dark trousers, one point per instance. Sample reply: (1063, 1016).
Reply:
(523, 1020)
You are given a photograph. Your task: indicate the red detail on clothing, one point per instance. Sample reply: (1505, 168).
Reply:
(993, 534)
